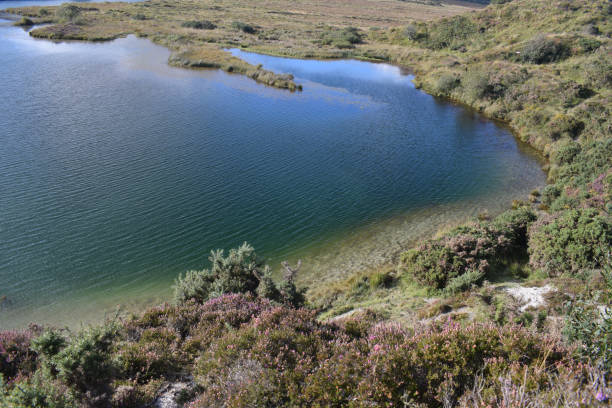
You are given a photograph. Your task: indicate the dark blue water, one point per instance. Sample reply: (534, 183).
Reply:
(118, 172)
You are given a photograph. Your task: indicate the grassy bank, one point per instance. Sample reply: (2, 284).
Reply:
(505, 311)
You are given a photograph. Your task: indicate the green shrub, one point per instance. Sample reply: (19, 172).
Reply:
(245, 28)
(598, 71)
(24, 22)
(464, 282)
(38, 391)
(236, 273)
(68, 13)
(550, 194)
(139, 16)
(541, 50)
(451, 32)
(562, 125)
(380, 280)
(85, 362)
(49, 343)
(433, 264)
(589, 324)
(475, 84)
(200, 25)
(570, 241)
(194, 285)
(588, 44)
(565, 152)
(446, 83)
(240, 272)
(344, 38)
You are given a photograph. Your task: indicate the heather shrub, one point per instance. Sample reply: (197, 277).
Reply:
(542, 49)
(470, 248)
(154, 355)
(569, 241)
(441, 363)
(16, 356)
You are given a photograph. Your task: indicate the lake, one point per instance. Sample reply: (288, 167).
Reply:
(118, 172)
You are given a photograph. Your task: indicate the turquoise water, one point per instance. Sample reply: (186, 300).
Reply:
(118, 172)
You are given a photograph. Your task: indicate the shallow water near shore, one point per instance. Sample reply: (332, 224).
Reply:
(118, 172)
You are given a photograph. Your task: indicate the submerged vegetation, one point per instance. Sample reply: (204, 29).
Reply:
(510, 311)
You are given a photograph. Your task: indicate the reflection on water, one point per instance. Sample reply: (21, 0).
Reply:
(118, 172)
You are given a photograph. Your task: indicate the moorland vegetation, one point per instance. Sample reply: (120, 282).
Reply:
(445, 323)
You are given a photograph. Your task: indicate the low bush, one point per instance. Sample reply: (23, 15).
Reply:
(24, 22)
(446, 83)
(16, 356)
(473, 248)
(199, 24)
(68, 13)
(475, 84)
(343, 38)
(542, 49)
(569, 242)
(241, 271)
(464, 282)
(245, 28)
(450, 33)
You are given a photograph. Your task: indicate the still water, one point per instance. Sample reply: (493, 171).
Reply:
(118, 172)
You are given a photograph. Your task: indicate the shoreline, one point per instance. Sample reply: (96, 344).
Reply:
(366, 229)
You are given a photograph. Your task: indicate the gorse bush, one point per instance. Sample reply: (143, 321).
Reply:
(570, 241)
(199, 24)
(241, 271)
(464, 282)
(236, 273)
(542, 49)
